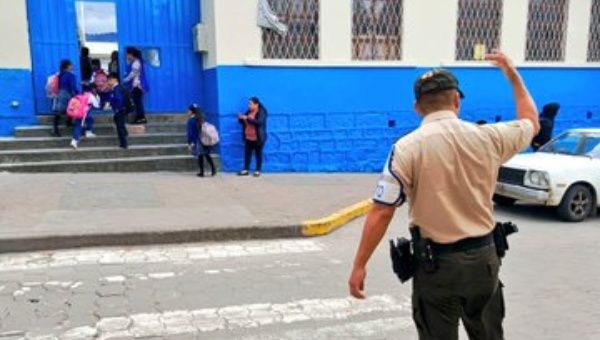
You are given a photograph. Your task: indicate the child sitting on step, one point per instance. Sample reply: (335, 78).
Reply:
(79, 111)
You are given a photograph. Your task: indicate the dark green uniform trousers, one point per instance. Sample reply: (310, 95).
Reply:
(465, 287)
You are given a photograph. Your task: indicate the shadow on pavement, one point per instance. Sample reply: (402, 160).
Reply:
(537, 212)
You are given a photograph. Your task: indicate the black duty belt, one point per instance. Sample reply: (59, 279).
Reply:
(466, 244)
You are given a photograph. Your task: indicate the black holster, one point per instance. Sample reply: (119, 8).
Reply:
(403, 262)
(406, 254)
(501, 233)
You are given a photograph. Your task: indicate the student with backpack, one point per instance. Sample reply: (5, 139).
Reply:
(202, 137)
(122, 105)
(79, 110)
(61, 87)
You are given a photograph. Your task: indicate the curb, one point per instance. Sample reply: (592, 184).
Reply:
(58, 242)
(332, 222)
(309, 228)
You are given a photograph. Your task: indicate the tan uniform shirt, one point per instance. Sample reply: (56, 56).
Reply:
(447, 169)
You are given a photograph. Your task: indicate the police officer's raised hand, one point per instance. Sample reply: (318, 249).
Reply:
(501, 60)
(357, 282)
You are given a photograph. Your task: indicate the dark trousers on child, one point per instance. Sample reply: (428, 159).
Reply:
(253, 147)
(138, 99)
(205, 154)
(57, 119)
(82, 126)
(120, 118)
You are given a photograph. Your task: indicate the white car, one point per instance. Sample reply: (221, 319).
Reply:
(565, 173)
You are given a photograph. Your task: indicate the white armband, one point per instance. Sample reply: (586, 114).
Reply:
(389, 188)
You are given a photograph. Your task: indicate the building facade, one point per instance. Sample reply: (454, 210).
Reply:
(335, 75)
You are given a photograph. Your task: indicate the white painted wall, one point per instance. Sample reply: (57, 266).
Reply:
(14, 35)
(578, 31)
(429, 36)
(514, 29)
(429, 31)
(209, 23)
(335, 25)
(237, 37)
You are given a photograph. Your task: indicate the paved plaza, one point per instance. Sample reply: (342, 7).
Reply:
(285, 288)
(41, 211)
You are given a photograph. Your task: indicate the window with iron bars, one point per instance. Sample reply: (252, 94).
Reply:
(546, 30)
(594, 42)
(377, 29)
(302, 38)
(479, 28)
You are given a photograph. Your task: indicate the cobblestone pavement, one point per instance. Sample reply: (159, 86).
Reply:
(284, 289)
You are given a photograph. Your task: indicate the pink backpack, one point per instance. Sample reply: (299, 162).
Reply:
(79, 106)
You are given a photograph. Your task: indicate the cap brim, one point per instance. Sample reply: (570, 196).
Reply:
(462, 95)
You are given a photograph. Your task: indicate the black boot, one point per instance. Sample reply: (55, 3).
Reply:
(213, 169)
(201, 166)
(56, 122)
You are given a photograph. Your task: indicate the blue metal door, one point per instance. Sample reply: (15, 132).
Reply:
(52, 28)
(162, 29)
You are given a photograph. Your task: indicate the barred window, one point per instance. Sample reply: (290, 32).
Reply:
(377, 29)
(594, 43)
(302, 38)
(546, 30)
(478, 29)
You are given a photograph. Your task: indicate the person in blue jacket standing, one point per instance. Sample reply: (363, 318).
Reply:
(67, 89)
(136, 82)
(195, 124)
(120, 101)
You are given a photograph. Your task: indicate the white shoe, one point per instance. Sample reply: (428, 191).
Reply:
(74, 144)
(90, 134)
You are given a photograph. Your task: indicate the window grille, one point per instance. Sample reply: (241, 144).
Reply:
(302, 38)
(594, 42)
(546, 30)
(377, 29)
(479, 28)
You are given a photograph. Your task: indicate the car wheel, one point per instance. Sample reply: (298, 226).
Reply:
(577, 204)
(504, 201)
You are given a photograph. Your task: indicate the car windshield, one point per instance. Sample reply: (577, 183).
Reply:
(575, 144)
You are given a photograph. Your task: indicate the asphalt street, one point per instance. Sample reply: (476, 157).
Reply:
(286, 289)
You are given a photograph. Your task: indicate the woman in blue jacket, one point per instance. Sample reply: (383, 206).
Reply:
(254, 134)
(67, 89)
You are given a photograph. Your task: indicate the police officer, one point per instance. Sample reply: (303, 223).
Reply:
(446, 170)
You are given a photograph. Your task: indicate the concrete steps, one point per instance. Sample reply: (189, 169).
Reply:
(134, 164)
(105, 141)
(104, 117)
(99, 129)
(161, 148)
(68, 154)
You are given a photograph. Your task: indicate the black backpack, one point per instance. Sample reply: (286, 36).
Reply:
(129, 105)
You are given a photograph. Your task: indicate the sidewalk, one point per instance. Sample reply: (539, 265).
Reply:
(50, 211)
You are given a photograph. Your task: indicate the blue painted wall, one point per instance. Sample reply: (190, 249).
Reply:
(345, 119)
(16, 86)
